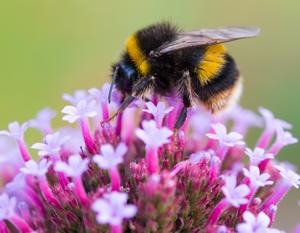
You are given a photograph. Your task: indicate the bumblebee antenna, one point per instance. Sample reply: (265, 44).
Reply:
(112, 83)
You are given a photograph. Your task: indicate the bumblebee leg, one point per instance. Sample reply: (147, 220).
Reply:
(129, 99)
(185, 89)
(181, 118)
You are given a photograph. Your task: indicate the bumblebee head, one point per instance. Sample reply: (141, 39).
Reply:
(123, 76)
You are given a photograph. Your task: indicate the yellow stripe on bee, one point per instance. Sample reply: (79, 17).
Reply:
(137, 56)
(211, 63)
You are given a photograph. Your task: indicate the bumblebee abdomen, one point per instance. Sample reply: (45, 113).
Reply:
(211, 63)
(222, 83)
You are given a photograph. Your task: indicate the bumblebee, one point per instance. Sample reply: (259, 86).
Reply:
(194, 65)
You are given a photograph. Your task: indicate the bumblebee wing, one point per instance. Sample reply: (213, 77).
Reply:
(205, 37)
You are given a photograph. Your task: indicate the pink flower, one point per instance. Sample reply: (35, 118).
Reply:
(112, 208)
(15, 130)
(228, 139)
(159, 111)
(255, 224)
(77, 97)
(36, 168)
(271, 122)
(235, 195)
(110, 157)
(257, 155)
(42, 121)
(291, 177)
(51, 146)
(81, 110)
(257, 179)
(285, 138)
(7, 206)
(75, 166)
(153, 136)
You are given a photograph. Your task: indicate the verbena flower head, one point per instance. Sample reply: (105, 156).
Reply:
(113, 208)
(228, 139)
(153, 136)
(255, 224)
(82, 109)
(51, 146)
(139, 175)
(257, 155)
(271, 122)
(7, 206)
(36, 168)
(42, 121)
(110, 157)
(257, 179)
(15, 130)
(75, 167)
(159, 111)
(235, 195)
(289, 176)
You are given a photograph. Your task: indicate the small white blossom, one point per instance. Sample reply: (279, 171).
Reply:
(255, 224)
(195, 158)
(257, 155)
(112, 208)
(43, 119)
(7, 206)
(228, 139)
(235, 195)
(290, 176)
(257, 179)
(51, 146)
(15, 130)
(271, 122)
(153, 136)
(159, 111)
(75, 167)
(77, 97)
(285, 138)
(36, 168)
(110, 157)
(83, 109)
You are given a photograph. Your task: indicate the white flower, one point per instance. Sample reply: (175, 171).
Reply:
(257, 155)
(110, 157)
(51, 146)
(15, 130)
(77, 97)
(271, 122)
(195, 158)
(75, 167)
(235, 195)
(43, 120)
(81, 110)
(290, 176)
(257, 179)
(153, 136)
(158, 111)
(112, 208)
(36, 168)
(7, 206)
(228, 139)
(255, 224)
(285, 138)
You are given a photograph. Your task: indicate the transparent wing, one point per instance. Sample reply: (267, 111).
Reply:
(205, 37)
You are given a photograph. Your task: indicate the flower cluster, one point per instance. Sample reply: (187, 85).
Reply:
(138, 174)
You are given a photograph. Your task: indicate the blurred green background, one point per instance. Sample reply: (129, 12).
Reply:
(53, 46)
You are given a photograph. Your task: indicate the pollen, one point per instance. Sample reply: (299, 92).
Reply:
(137, 56)
(211, 63)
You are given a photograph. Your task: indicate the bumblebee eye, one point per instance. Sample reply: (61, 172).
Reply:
(127, 71)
